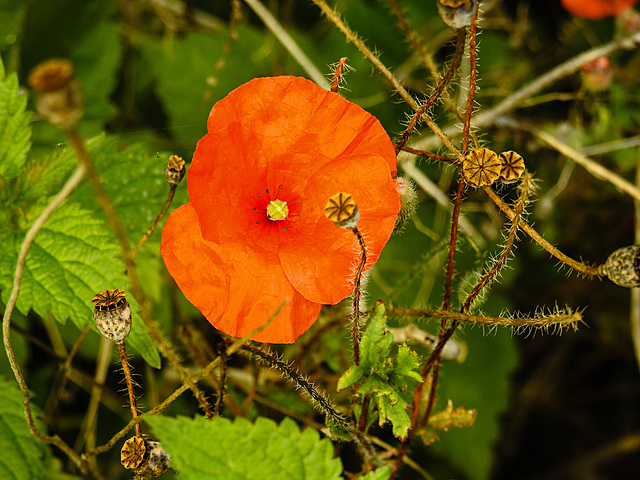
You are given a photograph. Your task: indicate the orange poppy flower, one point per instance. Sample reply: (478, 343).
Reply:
(597, 9)
(254, 233)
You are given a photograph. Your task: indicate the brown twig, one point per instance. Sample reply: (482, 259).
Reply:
(155, 222)
(122, 352)
(357, 292)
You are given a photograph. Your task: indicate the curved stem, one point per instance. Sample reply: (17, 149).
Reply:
(154, 224)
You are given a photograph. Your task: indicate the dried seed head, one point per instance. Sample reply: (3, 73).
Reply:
(133, 452)
(623, 266)
(342, 210)
(174, 171)
(112, 314)
(457, 13)
(155, 462)
(408, 201)
(59, 99)
(512, 166)
(481, 167)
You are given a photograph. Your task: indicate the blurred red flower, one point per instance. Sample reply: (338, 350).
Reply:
(234, 251)
(597, 9)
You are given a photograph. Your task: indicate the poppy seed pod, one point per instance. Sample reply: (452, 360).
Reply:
(457, 13)
(481, 167)
(342, 210)
(623, 266)
(133, 452)
(112, 314)
(155, 461)
(59, 99)
(174, 171)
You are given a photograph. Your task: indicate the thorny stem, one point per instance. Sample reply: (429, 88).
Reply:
(555, 320)
(122, 352)
(434, 364)
(369, 55)
(506, 251)
(159, 340)
(460, 42)
(337, 75)
(357, 292)
(435, 156)
(154, 224)
(62, 195)
(319, 399)
(587, 270)
(233, 348)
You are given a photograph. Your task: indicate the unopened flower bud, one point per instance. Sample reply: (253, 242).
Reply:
(342, 210)
(597, 74)
(58, 98)
(174, 171)
(628, 21)
(623, 266)
(457, 13)
(112, 314)
(408, 201)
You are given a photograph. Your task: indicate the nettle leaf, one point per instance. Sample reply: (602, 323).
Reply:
(239, 450)
(386, 376)
(15, 133)
(22, 455)
(72, 258)
(447, 419)
(383, 473)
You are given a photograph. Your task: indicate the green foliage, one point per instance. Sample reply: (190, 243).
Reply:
(220, 449)
(15, 133)
(22, 455)
(387, 377)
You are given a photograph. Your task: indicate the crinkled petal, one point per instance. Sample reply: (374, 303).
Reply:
(319, 258)
(235, 288)
(265, 140)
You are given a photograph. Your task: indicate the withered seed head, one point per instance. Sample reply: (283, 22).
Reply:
(133, 452)
(623, 266)
(481, 167)
(174, 171)
(457, 13)
(155, 462)
(59, 99)
(51, 75)
(112, 314)
(512, 166)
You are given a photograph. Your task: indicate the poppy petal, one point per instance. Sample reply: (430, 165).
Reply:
(236, 289)
(320, 259)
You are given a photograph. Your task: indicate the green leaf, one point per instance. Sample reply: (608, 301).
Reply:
(15, 133)
(220, 449)
(388, 377)
(21, 453)
(71, 259)
(379, 474)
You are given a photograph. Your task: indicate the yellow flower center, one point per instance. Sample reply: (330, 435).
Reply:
(277, 210)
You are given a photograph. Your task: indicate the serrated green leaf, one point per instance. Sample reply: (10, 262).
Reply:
(21, 453)
(220, 449)
(15, 133)
(407, 363)
(383, 473)
(352, 376)
(71, 259)
(376, 343)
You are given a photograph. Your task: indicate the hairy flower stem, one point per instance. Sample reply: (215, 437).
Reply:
(154, 224)
(433, 362)
(128, 378)
(435, 156)
(506, 251)
(587, 270)
(318, 398)
(145, 310)
(37, 225)
(357, 292)
(460, 42)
